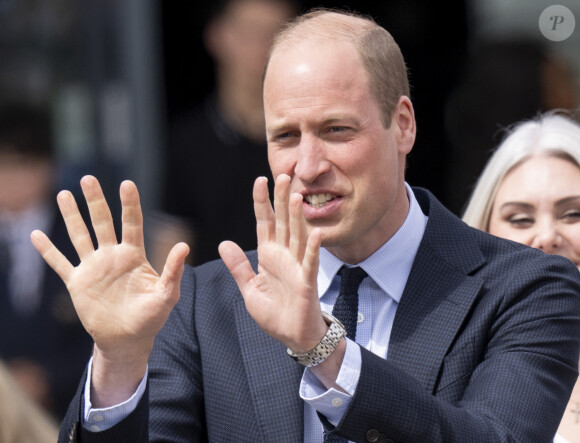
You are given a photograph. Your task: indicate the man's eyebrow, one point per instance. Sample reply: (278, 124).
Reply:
(279, 128)
(323, 120)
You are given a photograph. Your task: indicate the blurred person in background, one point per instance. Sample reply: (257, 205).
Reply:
(218, 147)
(21, 419)
(503, 82)
(42, 340)
(529, 192)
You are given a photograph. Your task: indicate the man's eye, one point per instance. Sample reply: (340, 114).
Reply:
(285, 139)
(284, 136)
(336, 129)
(339, 133)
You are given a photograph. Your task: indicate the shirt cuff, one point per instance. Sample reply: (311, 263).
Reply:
(333, 403)
(101, 419)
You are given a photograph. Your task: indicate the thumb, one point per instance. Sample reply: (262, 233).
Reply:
(174, 265)
(238, 264)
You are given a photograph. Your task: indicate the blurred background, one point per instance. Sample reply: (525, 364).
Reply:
(115, 74)
(119, 81)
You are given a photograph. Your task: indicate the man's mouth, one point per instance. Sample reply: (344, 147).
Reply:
(318, 200)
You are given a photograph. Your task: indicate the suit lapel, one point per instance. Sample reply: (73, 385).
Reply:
(273, 380)
(438, 296)
(433, 307)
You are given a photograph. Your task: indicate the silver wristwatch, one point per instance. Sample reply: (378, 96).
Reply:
(325, 347)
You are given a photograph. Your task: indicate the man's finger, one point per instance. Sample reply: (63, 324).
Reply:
(281, 202)
(101, 217)
(311, 257)
(75, 225)
(53, 257)
(174, 266)
(265, 220)
(298, 235)
(132, 215)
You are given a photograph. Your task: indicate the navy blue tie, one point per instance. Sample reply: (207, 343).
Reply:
(346, 310)
(346, 305)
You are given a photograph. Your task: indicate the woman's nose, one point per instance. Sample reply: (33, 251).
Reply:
(547, 238)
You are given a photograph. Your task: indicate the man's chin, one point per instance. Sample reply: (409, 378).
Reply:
(330, 239)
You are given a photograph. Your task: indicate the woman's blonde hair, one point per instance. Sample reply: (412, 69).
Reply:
(553, 134)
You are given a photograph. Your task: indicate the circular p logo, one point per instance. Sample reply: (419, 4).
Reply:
(557, 23)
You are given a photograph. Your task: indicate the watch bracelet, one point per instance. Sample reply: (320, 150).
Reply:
(326, 345)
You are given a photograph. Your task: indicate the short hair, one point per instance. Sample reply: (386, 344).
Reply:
(550, 134)
(380, 54)
(26, 129)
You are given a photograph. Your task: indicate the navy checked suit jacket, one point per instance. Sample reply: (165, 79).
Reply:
(484, 347)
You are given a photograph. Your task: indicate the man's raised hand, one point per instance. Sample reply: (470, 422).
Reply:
(120, 299)
(282, 297)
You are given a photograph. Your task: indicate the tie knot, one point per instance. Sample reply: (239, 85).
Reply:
(350, 279)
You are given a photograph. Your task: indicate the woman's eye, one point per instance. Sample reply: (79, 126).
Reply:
(520, 221)
(572, 215)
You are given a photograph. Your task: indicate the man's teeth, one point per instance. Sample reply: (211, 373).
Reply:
(318, 200)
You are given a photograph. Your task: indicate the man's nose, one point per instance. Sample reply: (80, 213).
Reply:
(311, 161)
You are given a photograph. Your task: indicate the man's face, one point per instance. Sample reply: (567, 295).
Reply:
(325, 131)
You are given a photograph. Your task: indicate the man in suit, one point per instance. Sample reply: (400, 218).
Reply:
(42, 341)
(458, 335)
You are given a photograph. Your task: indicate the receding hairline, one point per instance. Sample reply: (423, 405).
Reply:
(377, 50)
(325, 24)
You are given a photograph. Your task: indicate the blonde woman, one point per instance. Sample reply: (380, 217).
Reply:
(529, 192)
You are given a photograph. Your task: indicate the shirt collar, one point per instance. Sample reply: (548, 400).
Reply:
(396, 255)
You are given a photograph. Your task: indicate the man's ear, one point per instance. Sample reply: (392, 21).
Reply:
(404, 125)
